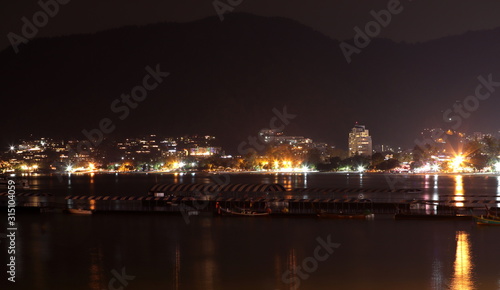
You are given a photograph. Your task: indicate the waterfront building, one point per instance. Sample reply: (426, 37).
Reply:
(360, 141)
(277, 138)
(204, 151)
(269, 135)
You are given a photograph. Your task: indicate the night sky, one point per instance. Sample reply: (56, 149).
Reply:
(431, 60)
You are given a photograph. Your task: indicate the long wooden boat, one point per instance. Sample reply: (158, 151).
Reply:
(414, 216)
(226, 211)
(481, 220)
(79, 211)
(345, 215)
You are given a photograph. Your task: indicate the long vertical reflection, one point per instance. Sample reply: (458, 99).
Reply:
(287, 182)
(96, 275)
(284, 271)
(91, 184)
(459, 191)
(431, 207)
(426, 181)
(38, 251)
(278, 271)
(208, 266)
(498, 191)
(92, 204)
(435, 194)
(291, 266)
(297, 181)
(437, 274)
(462, 276)
(177, 268)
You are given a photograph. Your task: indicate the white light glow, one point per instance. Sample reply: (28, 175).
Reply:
(497, 167)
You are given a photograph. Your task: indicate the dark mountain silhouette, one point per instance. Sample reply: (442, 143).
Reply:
(226, 77)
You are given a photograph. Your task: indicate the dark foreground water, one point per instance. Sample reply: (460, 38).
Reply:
(163, 252)
(146, 251)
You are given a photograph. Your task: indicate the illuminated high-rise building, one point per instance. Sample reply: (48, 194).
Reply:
(360, 141)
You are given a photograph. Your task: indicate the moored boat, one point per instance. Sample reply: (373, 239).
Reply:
(245, 212)
(79, 211)
(345, 215)
(481, 220)
(415, 216)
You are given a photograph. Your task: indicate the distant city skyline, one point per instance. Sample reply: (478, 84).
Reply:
(448, 151)
(358, 133)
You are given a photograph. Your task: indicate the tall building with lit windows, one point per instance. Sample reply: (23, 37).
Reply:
(360, 141)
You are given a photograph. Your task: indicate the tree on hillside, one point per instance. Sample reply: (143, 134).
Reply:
(377, 158)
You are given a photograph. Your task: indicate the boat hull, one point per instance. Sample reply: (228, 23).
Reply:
(346, 216)
(79, 211)
(402, 216)
(487, 221)
(228, 212)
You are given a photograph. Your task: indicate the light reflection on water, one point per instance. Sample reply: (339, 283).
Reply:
(177, 268)
(96, 272)
(437, 274)
(287, 181)
(498, 191)
(459, 191)
(291, 267)
(92, 204)
(463, 266)
(435, 194)
(208, 266)
(427, 181)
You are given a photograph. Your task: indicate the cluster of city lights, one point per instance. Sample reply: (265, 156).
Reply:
(82, 169)
(497, 167)
(457, 164)
(29, 167)
(295, 169)
(283, 166)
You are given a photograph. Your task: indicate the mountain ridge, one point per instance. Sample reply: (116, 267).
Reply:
(227, 77)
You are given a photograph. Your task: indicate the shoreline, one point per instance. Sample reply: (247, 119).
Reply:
(486, 174)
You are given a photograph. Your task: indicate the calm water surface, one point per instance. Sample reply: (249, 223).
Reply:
(138, 184)
(57, 251)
